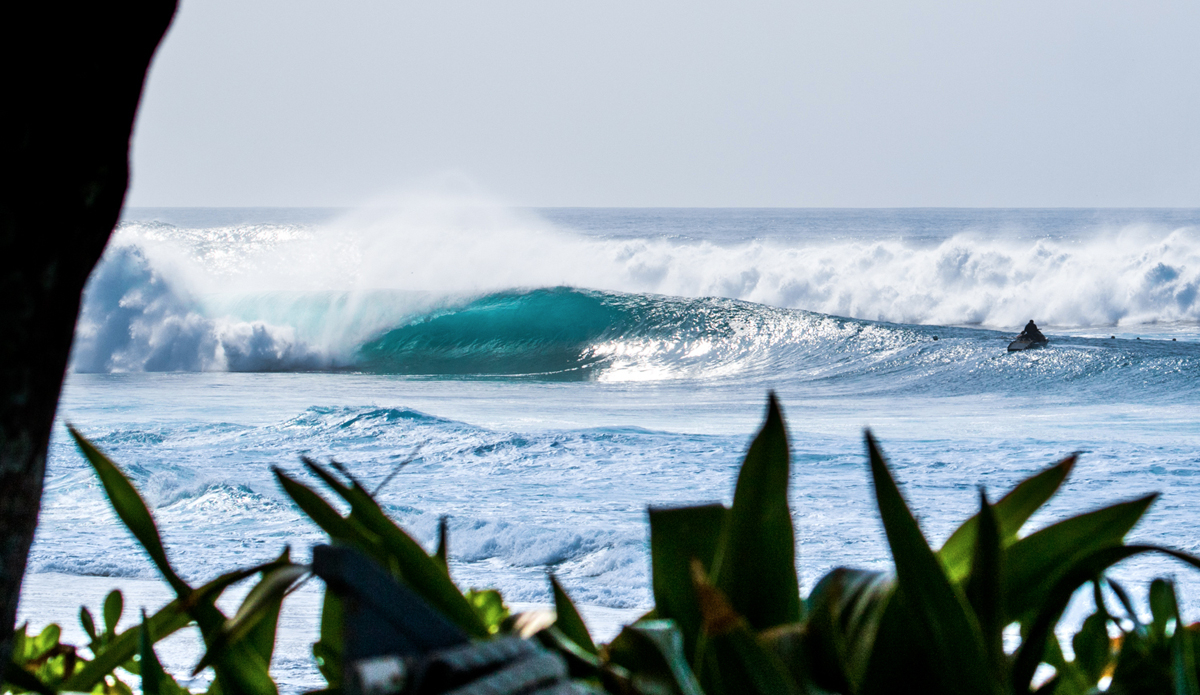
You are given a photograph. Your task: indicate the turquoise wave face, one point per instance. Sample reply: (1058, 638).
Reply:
(544, 332)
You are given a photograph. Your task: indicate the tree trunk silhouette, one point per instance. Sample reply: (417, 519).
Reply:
(73, 75)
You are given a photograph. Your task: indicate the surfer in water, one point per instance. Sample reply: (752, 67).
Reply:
(1031, 333)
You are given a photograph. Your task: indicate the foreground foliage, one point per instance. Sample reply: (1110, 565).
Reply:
(976, 616)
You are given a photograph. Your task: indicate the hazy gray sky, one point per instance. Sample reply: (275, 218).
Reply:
(670, 103)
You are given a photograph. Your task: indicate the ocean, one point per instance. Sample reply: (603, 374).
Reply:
(552, 372)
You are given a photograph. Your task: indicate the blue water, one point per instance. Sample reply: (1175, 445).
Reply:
(556, 371)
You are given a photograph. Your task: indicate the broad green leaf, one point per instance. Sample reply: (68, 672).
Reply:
(261, 603)
(163, 623)
(1081, 571)
(489, 606)
(155, 681)
(1183, 655)
(950, 631)
(114, 606)
(421, 572)
(325, 516)
(1012, 511)
(676, 537)
(131, 509)
(664, 638)
(1162, 607)
(755, 562)
(844, 612)
(984, 589)
(328, 649)
(1035, 563)
(730, 657)
(1091, 646)
(568, 619)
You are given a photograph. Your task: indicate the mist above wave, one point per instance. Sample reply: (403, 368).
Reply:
(290, 297)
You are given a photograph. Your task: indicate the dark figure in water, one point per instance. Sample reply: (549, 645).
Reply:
(1031, 333)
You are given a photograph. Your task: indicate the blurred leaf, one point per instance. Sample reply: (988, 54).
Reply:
(844, 613)
(1033, 647)
(950, 631)
(730, 658)
(328, 649)
(1091, 646)
(984, 589)
(326, 517)
(15, 675)
(166, 621)
(1162, 607)
(568, 619)
(442, 554)
(1012, 511)
(131, 508)
(421, 572)
(114, 606)
(1183, 655)
(677, 536)
(46, 640)
(664, 638)
(261, 603)
(489, 606)
(88, 623)
(1035, 563)
(755, 562)
(155, 681)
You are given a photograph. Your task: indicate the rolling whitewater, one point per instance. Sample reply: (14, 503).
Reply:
(552, 372)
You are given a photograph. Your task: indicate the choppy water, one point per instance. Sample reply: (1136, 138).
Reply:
(562, 369)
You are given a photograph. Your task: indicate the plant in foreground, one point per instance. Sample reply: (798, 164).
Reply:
(728, 615)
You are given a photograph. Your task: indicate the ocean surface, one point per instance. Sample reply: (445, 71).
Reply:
(552, 372)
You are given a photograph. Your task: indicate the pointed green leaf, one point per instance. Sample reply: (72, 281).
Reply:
(1081, 571)
(153, 676)
(984, 589)
(87, 622)
(1162, 607)
(1035, 563)
(1183, 652)
(163, 623)
(131, 509)
(755, 563)
(442, 554)
(114, 606)
(1012, 511)
(328, 649)
(844, 613)
(677, 536)
(950, 631)
(421, 572)
(262, 603)
(568, 619)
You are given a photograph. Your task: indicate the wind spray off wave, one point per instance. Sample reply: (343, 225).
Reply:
(447, 287)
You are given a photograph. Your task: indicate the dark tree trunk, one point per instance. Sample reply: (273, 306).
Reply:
(73, 74)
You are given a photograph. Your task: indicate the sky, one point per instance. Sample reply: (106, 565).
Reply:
(662, 103)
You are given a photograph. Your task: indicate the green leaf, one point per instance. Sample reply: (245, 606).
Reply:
(1012, 511)
(261, 603)
(984, 588)
(153, 675)
(730, 657)
(165, 622)
(328, 649)
(15, 675)
(1035, 563)
(677, 536)
(951, 634)
(46, 640)
(442, 554)
(131, 509)
(755, 562)
(568, 619)
(663, 638)
(1091, 646)
(87, 622)
(489, 606)
(845, 611)
(114, 606)
(1082, 570)
(1162, 607)
(420, 571)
